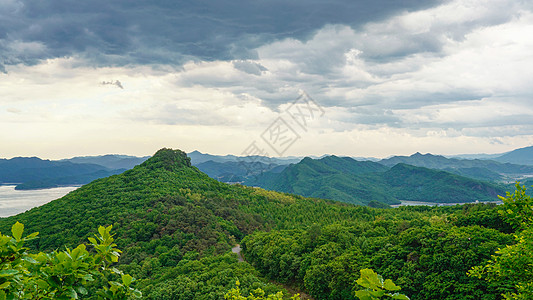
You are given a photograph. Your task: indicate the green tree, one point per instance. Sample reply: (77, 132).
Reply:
(258, 294)
(514, 262)
(63, 274)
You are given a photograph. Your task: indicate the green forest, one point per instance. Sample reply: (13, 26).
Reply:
(360, 182)
(175, 228)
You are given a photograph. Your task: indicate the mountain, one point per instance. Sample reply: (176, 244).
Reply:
(168, 216)
(476, 156)
(166, 183)
(35, 173)
(24, 169)
(198, 157)
(360, 182)
(66, 180)
(110, 161)
(231, 168)
(176, 226)
(412, 183)
(232, 171)
(474, 168)
(331, 177)
(522, 156)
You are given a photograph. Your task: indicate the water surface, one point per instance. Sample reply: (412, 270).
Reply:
(13, 202)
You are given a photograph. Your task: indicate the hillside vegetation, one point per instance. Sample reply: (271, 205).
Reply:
(176, 226)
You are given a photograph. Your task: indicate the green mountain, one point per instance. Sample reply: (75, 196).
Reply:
(166, 209)
(176, 226)
(338, 178)
(522, 156)
(412, 183)
(360, 182)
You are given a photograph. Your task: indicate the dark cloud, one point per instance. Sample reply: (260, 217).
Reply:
(249, 67)
(115, 83)
(171, 32)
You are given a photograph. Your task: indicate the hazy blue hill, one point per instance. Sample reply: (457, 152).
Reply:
(233, 171)
(474, 168)
(422, 184)
(198, 157)
(23, 169)
(522, 156)
(67, 180)
(110, 161)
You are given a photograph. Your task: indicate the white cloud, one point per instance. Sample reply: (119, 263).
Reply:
(450, 79)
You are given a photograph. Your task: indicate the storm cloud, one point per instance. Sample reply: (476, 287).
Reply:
(170, 32)
(422, 75)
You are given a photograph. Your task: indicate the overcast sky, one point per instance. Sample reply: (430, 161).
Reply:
(387, 77)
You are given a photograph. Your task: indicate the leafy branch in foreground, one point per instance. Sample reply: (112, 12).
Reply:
(63, 274)
(376, 287)
(514, 262)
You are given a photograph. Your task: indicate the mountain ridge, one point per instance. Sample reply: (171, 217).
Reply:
(360, 182)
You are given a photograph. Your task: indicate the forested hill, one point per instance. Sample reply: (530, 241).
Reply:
(176, 226)
(360, 182)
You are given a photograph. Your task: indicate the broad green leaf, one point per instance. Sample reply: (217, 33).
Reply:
(42, 284)
(369, 279)
(363, 295)
(32, 236)
(127, 279)
(72, 293)
(82, 290)
(17, 230)
(390, 286)
(101, 230)
(8, 272)
(5, 285)
(137, 294)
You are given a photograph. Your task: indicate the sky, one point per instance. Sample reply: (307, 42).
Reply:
(279, 78)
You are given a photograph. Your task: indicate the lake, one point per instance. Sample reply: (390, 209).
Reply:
(13, 202)
(417, 203)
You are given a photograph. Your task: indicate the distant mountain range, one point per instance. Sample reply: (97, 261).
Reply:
(38, 173)
(522, 156)
(110, 161)
(35, 173)
(488, 170)
(360, 182)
